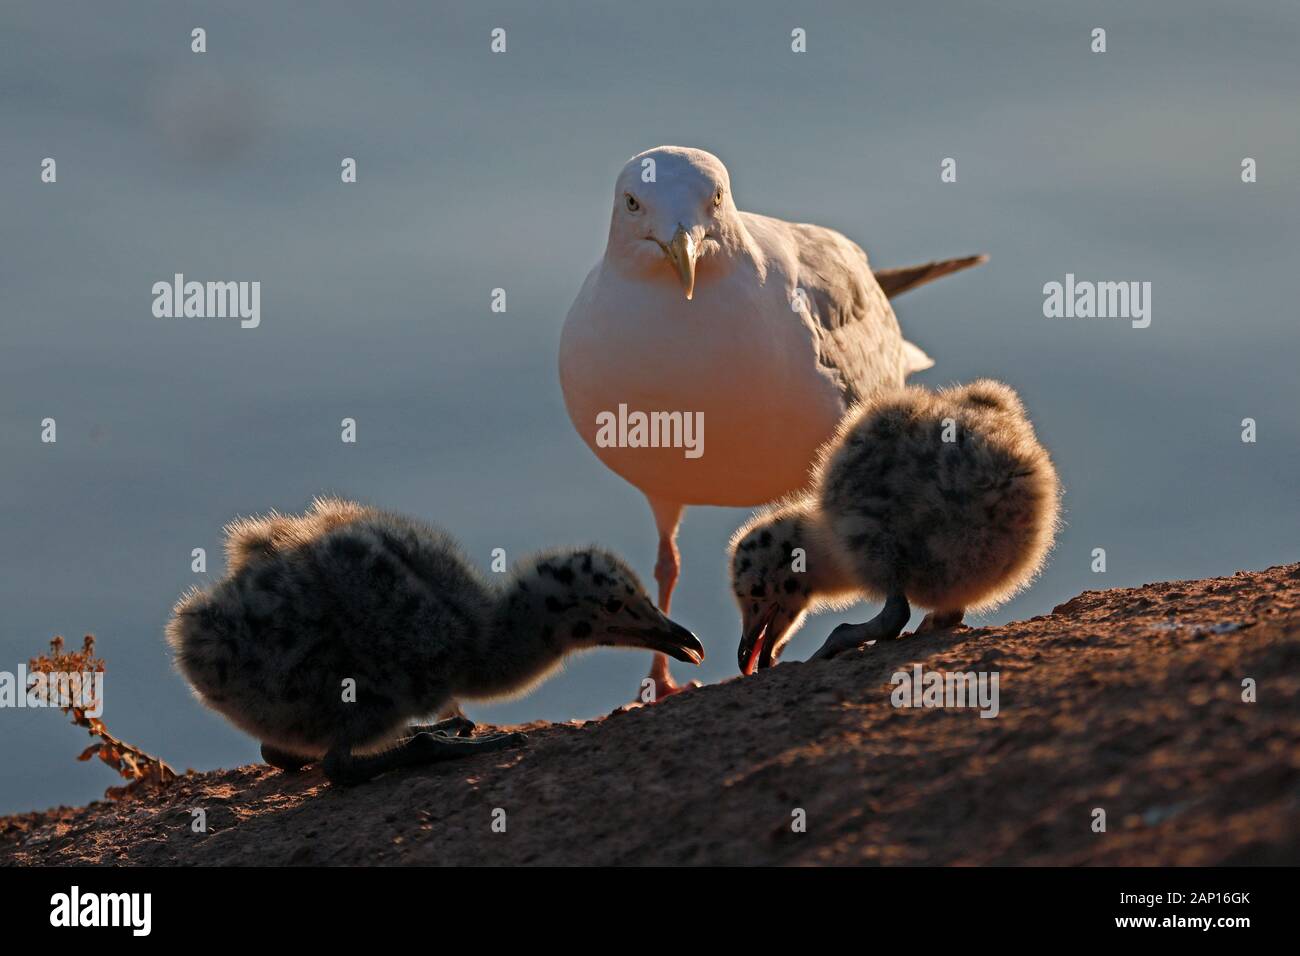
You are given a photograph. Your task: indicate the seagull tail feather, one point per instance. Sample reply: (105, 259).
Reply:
(895, 282)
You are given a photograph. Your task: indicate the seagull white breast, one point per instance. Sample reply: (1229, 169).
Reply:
(771, 380)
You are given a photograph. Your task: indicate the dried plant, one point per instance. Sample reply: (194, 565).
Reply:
(145, 771)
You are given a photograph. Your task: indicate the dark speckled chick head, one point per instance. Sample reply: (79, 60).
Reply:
(589, 597)
(775, 571)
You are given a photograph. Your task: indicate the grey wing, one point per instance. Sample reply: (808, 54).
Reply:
(858, 338)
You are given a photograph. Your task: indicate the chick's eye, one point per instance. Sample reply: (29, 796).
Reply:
(717, 197)
(614, 606)
(632, 204)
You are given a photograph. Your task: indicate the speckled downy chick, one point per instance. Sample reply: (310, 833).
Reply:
(942, 498)
(334, 629)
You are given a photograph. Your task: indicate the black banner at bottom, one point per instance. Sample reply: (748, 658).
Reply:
(125, 906)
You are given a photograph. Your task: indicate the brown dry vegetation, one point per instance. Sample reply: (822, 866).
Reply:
(144, 770)
(1129, 700)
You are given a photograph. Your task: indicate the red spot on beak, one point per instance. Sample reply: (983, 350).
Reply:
(759, 640)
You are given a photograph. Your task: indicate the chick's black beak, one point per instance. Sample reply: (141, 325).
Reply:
(755, 639)
(667, 637)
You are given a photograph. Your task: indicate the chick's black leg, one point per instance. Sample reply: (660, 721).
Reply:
(283, 760)
(885, 626)
(344, 768)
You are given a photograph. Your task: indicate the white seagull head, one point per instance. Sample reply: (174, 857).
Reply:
(672, 208)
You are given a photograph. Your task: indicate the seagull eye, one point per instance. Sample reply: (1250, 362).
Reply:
(614, 606)
(632, 204)
(717, 197)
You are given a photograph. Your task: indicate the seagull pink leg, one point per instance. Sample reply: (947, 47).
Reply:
(667, 567)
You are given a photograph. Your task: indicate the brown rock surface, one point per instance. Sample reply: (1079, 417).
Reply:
(1128, 699)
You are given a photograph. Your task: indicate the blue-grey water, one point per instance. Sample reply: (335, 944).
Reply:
(479, 171)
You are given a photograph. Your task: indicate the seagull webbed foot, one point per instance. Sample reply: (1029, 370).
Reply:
(668, 687)
(662, 684)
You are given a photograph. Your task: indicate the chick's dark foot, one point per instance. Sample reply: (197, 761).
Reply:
(940, 621)
(437, 747)
(346, 769)
(459, 726)
(885, 626)
(283, 760)
(846, 637)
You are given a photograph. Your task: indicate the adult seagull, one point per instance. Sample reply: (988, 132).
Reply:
(771, 329)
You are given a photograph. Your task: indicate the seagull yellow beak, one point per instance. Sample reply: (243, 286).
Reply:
(681, 252)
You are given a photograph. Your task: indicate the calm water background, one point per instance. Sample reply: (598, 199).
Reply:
(478, 171)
